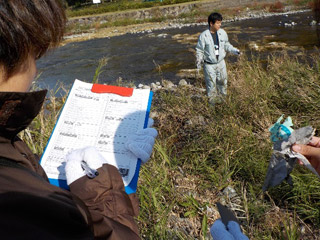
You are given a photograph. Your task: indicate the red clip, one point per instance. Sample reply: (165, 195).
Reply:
(122, 91)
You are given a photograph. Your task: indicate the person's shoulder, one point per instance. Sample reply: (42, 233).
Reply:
(205, 32)
(222, 31)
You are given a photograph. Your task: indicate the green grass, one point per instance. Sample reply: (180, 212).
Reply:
(201, 150)
(232, 148)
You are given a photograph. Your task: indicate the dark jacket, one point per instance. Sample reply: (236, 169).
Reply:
(32, 208)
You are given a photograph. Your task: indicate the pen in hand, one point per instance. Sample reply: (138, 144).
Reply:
(91, 173)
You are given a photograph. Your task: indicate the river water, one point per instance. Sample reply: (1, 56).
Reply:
(150, 57)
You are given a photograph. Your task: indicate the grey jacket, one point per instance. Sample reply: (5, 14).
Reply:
(205, 47)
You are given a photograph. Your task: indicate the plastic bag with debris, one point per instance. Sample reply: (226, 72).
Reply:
(283, 159)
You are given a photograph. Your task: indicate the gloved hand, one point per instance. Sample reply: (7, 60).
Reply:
(141, 143)
(237, 51)
(219, 231)
(83, 162)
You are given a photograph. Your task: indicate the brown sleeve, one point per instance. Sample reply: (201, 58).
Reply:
(112, 212)
(28, 158)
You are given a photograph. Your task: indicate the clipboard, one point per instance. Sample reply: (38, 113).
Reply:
(93, 92)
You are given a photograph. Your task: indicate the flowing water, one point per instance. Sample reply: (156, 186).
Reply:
(150, 57)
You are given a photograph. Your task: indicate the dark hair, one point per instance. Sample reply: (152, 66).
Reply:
(28, 27)
(213, 17)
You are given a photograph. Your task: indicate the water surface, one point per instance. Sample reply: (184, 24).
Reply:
(150, 57)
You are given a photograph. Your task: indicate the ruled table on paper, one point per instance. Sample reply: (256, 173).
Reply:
(102, 120)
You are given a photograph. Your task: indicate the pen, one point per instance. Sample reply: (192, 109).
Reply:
(91, 173)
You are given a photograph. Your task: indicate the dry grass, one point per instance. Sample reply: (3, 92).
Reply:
(201, 151)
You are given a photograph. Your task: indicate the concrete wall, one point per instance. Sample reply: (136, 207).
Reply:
(172, 10)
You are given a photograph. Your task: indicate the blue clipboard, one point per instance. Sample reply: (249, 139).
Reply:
(132, 186)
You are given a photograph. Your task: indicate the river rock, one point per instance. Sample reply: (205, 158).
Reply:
(274, 45)
(167, 84)
(313, 23)
(183, 82)
(291, 24)
(163, 35)
(154, 86)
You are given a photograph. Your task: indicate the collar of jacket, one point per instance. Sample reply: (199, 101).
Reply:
(17, 110)
(218, 32)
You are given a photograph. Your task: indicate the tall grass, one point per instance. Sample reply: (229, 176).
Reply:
(209, 148)
(201, 150)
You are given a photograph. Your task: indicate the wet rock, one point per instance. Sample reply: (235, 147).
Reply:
(275, 45)
(163, 35)
(290, 24)
(313, 23)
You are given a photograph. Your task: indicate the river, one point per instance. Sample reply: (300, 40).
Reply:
(160, 54)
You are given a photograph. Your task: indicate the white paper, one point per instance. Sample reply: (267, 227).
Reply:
(101, 120)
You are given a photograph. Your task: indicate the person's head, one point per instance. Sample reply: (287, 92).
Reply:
(28, 28)
(214, 21)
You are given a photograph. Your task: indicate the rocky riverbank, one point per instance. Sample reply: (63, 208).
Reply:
(94, 32)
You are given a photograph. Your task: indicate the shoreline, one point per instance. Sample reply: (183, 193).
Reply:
(149, 27)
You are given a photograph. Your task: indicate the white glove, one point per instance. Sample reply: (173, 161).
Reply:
(83, 162)
(150, 123)
(141, 143)
(237, 51)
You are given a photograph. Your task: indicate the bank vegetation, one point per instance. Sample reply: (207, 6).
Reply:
(206, 154)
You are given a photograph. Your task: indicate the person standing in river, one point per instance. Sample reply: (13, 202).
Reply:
(211, 50)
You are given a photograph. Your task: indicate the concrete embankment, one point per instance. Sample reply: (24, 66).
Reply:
(169, 10)
(243, 8)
